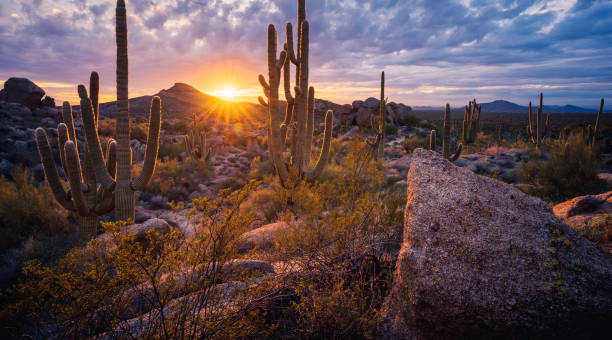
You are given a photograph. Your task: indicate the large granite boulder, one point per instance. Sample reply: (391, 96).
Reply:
(480, 259)
(22, 91)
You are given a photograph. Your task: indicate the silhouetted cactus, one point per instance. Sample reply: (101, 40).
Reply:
(446, 153)
(124, 187)
(471, 123)
(83, 198)
(299, 116)
(378, 124)
(195, 143)
(542, 129)
(591, 134)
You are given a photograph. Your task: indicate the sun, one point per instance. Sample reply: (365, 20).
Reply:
(227, 93)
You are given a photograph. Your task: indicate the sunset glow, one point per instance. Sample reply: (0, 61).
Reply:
(227, 93)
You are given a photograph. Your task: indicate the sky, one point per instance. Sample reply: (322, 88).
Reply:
(432, 52)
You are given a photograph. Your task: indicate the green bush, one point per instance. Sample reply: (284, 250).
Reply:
(571, 171)
(176, 179)
(28, 209)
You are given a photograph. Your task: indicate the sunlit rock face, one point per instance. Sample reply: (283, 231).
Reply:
(481, 259)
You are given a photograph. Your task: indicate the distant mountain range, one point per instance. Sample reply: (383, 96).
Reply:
(179, 102)
(506, 106)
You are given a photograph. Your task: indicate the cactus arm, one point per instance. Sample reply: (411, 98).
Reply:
(93, 145)
(69, 121)
(75, 179)
(309, 126)
(324, 154)
(62, 138)
(457, 153)
(46, 157)
(596, 129)
(301, 105)
(289, 43)
(382, 119)
(106, 201)
(262, 102)
(94, 89)
(152, 146)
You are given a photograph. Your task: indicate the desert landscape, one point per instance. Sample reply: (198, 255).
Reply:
(183, 214)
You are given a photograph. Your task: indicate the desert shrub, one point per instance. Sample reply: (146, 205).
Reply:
(236, 181)
(139, 132)
(413, 142)
(260, 169)
(266, 203)
(106, 128)
(170, 150)
(390, 129)
(597, 229)
(177, 127)
(27, 209)
(176, 180)
(571, 171)
(345, 230)
(410, 121)
(175, 285)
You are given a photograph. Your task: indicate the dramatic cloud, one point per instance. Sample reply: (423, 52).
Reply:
(432, 51)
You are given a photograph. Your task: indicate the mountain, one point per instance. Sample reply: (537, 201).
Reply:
(181, 101)
(506, 106)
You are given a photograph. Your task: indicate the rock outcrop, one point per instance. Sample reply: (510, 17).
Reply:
(481, 259)
(22, 91)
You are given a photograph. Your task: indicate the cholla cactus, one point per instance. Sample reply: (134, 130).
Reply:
(446, 153)
(124, 186)
(195, 143)
(471, 123)
(299, 116)
(542, 129)
(84, 198)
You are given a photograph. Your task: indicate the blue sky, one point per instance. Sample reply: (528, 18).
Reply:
(433, 52)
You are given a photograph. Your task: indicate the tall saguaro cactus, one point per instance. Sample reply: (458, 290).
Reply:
(541, 129)
(382, 119)
(446, 153)
(299, 116)
(471, 123)
(124, 186)
(83, 198)
(591, 133)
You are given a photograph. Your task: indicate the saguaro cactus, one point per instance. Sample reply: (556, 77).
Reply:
(542, 129)
(195, 143)
(378, 124)
(471, 123)
(83, 198)
(446, 153)
(591, 134)
(124, 187)
(432, 140)
(299, 117)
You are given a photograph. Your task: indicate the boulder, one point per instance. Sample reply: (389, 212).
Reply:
(22, 91)
(364, 115)
(371, 103)
(262, 237)
(480, 259)
(585, 205)
(48, 102)
(357, 104)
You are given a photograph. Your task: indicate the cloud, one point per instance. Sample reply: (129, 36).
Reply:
(432, 51)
